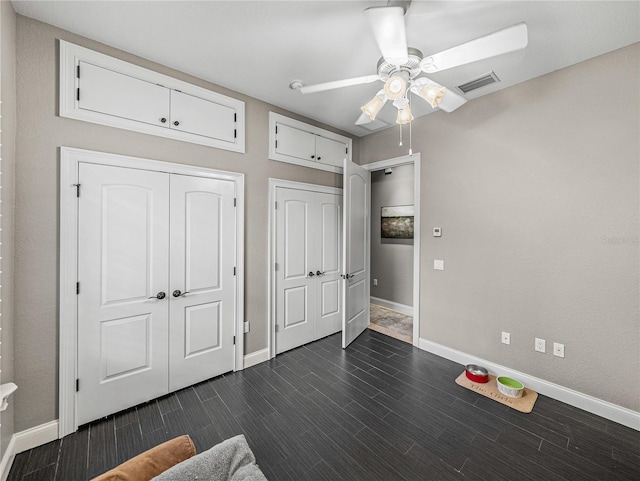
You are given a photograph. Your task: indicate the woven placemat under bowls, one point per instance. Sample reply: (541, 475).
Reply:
(489, 389)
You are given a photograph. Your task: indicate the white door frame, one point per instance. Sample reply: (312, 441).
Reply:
(70, 159)
(414, 159)
(271, 247)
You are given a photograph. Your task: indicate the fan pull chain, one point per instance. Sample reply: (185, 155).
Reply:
(400, 126)
(410, 131)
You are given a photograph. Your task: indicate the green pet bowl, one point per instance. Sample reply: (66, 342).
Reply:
(509, 387)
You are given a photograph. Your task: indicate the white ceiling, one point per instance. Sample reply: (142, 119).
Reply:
(258, 47)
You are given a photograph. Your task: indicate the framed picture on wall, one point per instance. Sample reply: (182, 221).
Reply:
(396, 222)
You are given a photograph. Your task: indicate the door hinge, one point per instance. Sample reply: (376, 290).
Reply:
(78, 72)
(276, 205)
(234, 271)
(235, 117)
(77, 385)
(277, 266)
(78, 95)
(276, 143)
(77, 190)
(235, 202)
(277, 328)
(276, 130)
(234, 340)
(346, 150)
(77, 288)
(235, 133)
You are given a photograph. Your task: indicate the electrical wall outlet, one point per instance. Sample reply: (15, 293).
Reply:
(247, 327)
(438, 265)
(540, 345)
(558, 349)
(375, 282)
(506, 338)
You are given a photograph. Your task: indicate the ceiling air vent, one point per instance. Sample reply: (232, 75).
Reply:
(483, 81)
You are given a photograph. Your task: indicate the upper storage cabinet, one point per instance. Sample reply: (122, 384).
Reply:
(104, 90)
(303, 144)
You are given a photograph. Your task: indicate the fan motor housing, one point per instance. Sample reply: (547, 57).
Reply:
(412, 66)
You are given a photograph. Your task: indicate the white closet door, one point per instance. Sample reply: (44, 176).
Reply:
(295, 277)
(357, 194)
(202, 117)
(327, 251)
(203, 256)
(123, 238)
(329, 151)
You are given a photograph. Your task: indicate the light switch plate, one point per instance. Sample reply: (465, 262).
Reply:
(437, 232)
(438, 264)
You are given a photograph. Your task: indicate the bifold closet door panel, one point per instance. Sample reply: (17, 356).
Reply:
(295, 277)
(329, 240)
(123, 305)
(203, 256)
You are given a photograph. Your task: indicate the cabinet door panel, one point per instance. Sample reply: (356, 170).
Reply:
(112, 93)
(202, 117)
(330, 151)
(295, 143)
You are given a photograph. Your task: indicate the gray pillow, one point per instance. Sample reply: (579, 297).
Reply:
(231, 460)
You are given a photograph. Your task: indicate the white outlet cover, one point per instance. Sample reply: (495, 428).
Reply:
(558, 349)
(438, 264)
(506, 338)
(540, 345)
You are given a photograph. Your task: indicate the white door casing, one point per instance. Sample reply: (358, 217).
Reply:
(72, 195)
(356, 221)
(122, 265)
(308, 252)
(202, 293)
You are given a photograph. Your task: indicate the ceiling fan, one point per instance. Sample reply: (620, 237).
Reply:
(401, 66)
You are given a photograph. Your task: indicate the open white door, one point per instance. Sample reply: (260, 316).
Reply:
(355, 292)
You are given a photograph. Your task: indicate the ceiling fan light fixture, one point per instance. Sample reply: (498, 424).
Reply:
(396, 85)
(432, 94)
(372, 107)
(404, 115)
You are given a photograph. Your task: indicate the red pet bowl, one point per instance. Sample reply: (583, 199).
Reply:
(476, 373)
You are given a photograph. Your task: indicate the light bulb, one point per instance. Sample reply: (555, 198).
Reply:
(404, 115)
(396, 85)
(372, 107)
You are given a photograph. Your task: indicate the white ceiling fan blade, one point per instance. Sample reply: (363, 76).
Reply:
(451, 101)
(387, 24)
(336, 84)
(497, 43)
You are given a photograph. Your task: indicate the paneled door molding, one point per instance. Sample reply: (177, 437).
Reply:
(70, 160)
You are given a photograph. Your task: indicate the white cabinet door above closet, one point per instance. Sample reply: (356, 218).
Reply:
(108, 92)
(202, 117)
(330, 151)
(295, 143)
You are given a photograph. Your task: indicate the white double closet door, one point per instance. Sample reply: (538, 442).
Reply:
(308, 258)
(156, 302)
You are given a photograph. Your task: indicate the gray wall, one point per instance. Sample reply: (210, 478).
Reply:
(536, 189)
(40, 133)
(8, 141)
(391, 259)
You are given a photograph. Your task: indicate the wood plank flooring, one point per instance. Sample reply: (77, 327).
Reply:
(381, 410)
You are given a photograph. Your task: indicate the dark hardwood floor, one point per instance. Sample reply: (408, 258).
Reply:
(381, 410)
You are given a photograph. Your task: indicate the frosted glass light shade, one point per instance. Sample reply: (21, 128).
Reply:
(372, 107)
(396, 86)
(404, 115)
(433, 95)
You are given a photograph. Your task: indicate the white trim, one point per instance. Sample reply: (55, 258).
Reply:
(396, 306)
(256, 357)
(71, 55)
(566, 395)
(70, 159)
(275, 118)
(416, 160)
(271, 247)
(25, 440)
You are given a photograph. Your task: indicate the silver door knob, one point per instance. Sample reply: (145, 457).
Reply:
(160, 295)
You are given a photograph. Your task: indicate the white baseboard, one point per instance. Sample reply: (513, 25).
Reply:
(25, 440)
(591, 404)
(256, 357)
(396, 306)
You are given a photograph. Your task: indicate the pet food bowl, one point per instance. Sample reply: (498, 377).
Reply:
(509, 387)
(476, 373)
